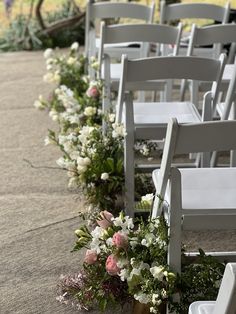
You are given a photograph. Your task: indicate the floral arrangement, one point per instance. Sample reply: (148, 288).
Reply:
(126, 258)
(124, 261)
(94, 161)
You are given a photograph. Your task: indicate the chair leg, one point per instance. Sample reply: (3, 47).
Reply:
(129, 166)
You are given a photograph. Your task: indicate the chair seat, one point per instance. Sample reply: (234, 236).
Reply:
(212, 188)
(160, 113)
(202, 307)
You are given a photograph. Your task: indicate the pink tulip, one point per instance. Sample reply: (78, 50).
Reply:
(120, 240)
(92, 92)
(111, 265)
(90, 257)
(106, 219)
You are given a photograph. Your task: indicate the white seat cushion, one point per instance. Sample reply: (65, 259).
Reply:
(153, 113)
(202, 307)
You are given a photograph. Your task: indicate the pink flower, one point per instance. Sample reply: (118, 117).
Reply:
(106, 219)
(120, 240)
(92, 92)
(90, 257)
(111, 265)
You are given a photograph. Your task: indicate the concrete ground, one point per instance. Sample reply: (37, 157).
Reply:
(38, 214)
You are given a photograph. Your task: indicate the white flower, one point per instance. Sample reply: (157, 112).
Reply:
(109, 242)
(141, 297)
(75, 46)
(144, 242)
(118, 130)
(111, 117)
(157, 272)
(83, 161)
(124, 274)
(48, 53)
(71, 61)
(147, 198)
(104, 176)
(155, 298)
(90, 111)
(153, 310)
(163, 293)
(81, 169)
(53, 114)
(38, 104)
(48, 141)
(48, 77)
(84, 133)
(125, 224)
(61, 162)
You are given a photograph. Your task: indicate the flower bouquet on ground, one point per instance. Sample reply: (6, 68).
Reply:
(124, 261)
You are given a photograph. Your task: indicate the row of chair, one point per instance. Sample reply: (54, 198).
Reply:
(198, 198)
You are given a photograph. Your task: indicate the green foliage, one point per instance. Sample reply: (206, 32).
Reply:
(199, 281)
(24, 33)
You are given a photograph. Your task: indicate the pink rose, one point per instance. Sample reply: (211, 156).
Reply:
(92, 92)
(120, 240)
(111, 265)
(90, 257)
(105, 220)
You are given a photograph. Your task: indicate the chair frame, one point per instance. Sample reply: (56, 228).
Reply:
(144, 33)
(193, 10)
(105, 10)
(183, 139)
(139, 75)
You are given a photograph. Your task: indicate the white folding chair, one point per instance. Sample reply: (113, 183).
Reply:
(226, 299)
(196, 11)
(199, 198)
(217, 36)
(149, 120)
(106, 10)
(163, 35)
(177, 11)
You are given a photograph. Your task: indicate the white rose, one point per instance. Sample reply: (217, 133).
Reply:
(71, 61)
(81, 169)
(74, 46)
(48, 53)
(90, 111)
(104, 176)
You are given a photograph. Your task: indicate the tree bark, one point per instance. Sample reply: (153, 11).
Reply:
(39, 15)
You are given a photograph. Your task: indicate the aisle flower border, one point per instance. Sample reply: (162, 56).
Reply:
(94, 161)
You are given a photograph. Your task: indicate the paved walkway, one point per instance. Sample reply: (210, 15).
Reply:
(38, 214)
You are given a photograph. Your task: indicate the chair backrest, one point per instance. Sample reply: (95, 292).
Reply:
(106, 10)
(218, 35)
(193, 10)
(226, 299)
(143, 33)
(192, 138)
(136, 72)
